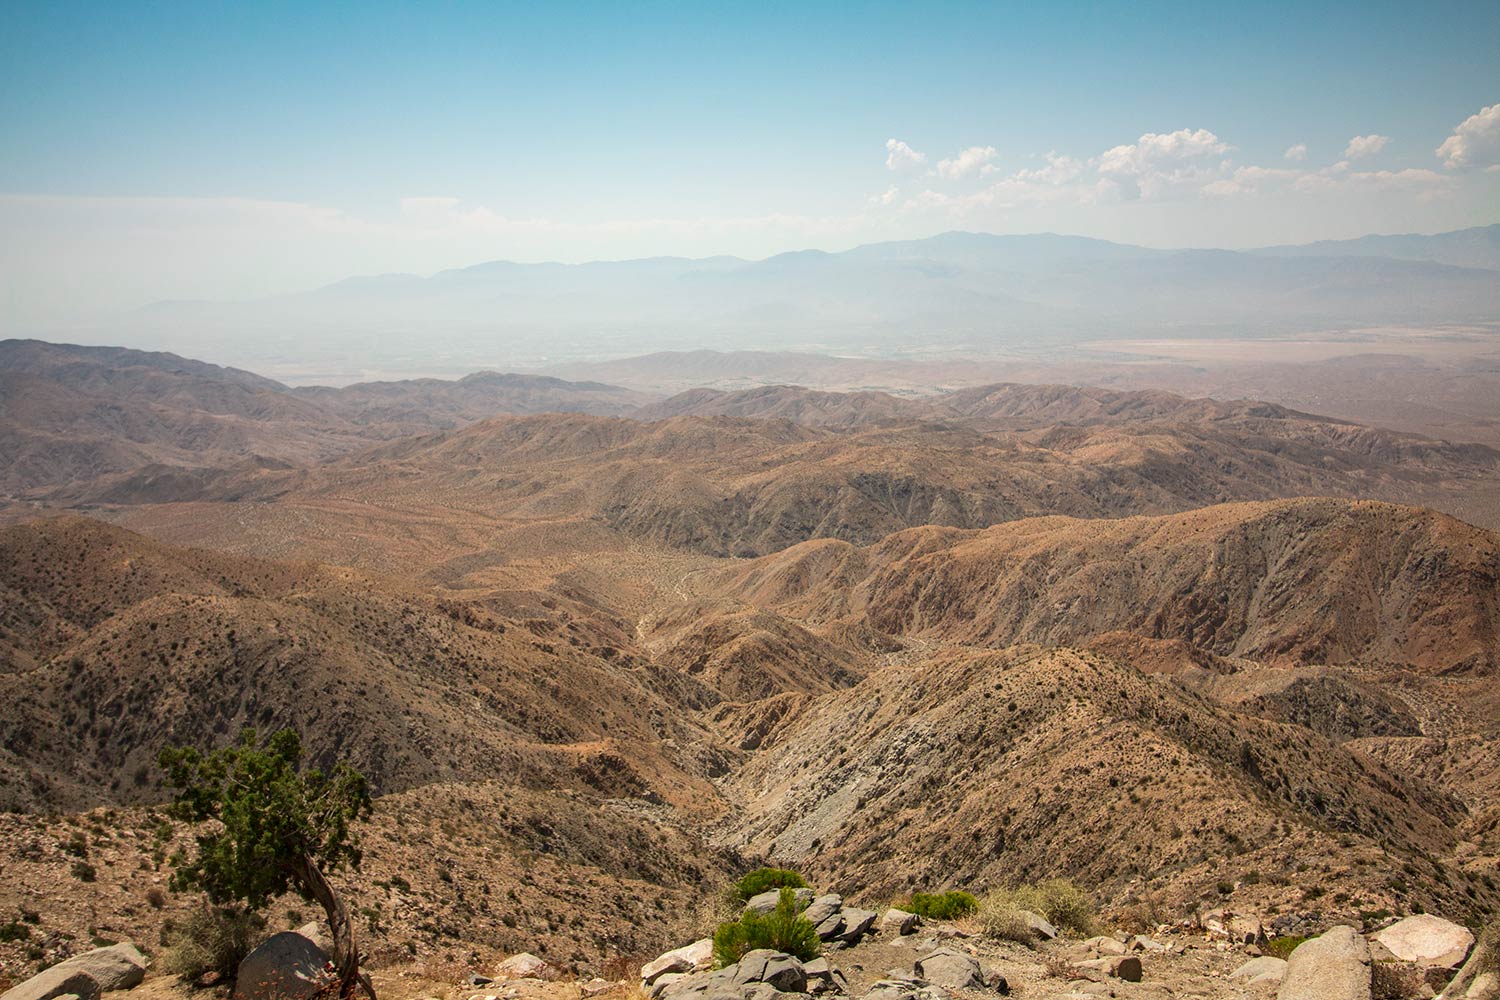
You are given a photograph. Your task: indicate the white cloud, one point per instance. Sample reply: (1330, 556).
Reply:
(1365, 145)
(975, 158)
(1156, 164)
(900, 156)
(1475, 142)
(1296, 153)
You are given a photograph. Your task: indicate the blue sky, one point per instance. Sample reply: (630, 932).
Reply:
(182, 150)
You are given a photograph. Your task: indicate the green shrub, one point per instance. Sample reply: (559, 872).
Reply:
(765, 879)
(783, 929)
(211, 939)
(1282, 947)
(943, 905)
(14, 931)
(1058, 901)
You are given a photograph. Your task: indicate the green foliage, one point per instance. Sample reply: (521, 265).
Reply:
(1059, 901)
(14, 931)
(765, 879)
(272, 819)
(1282, 947)
(210, 939)
(943, 905)
(784, 929)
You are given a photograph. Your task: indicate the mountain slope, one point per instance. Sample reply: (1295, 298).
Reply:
(1295, 581)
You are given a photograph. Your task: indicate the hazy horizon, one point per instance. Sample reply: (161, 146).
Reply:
(169, 153)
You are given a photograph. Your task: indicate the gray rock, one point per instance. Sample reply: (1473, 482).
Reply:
(1428, 941)
(905, 989)
(781, 971)
(898, 922)
(287, 966)
(1266, 971)
(830, 928)
(951, 969)
(689, 958)
(54, 983)
(525, 966)
(1335, 966)
(118, 967)
(1043, 929)
(766, 901)
(475, 979)
(857, 923)
(1126, 967)
(823, 907)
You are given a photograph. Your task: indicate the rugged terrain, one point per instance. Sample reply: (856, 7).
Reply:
(1188, 652)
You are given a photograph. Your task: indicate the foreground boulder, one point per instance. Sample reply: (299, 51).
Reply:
(694, 957)
(898, 922)
(1335, 966)
(118, 967)
(1126, 967)
(1427, 941)
(951, 969)
(525, 966)
(759, 975)
(287, 966)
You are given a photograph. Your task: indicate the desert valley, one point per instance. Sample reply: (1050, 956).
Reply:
(818, 501)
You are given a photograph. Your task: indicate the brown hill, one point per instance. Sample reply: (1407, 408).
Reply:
(982, 768)
(115, 645)
(744, 487)
(1294, 581)
(72, 417)
(413, 406)
(809, 407)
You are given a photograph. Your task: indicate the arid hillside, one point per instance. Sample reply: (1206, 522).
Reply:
(1286, 582)
(71, 416)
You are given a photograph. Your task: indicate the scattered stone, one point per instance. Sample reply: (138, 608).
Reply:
(831, 927)
(857, 923)
(1245, 929)
(694, 957)
(525, 966)
(1126, 967)
(905, 989)
(783, 972)
(1104, 946)
(475, 979)
(823, 907)
(1428, 941)
(951, 969)
(1335, 966)
(597, 987)
(666, 982)
(209, 979)
(287, 966)
(899, 922)
(1039, 925)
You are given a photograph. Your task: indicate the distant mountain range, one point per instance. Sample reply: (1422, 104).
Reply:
(959, 291)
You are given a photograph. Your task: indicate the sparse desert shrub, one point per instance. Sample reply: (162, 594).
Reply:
(155, 898)
(83, 871)
(14, 931)
(784, 929)
(210, 939)
(1282, 947)
(1057, 900)
(949, 905)
(1001, 920)
(764, 879)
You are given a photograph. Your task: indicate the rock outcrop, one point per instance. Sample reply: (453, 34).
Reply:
(1335, 966)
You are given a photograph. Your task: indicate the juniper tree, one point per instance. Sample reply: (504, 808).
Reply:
(277, 828)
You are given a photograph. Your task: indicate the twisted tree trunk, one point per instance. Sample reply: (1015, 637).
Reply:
(345, 955)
